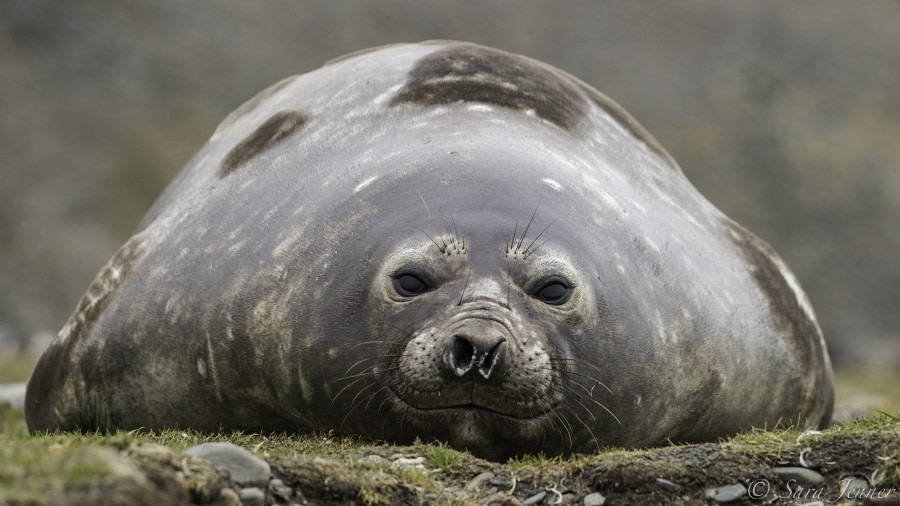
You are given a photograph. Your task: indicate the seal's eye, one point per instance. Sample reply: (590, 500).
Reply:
(408, 284)
(553, 292)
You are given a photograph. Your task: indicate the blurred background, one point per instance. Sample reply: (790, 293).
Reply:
(786, 115)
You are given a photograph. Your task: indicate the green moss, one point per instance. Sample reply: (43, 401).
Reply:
(414, 476)
(441, 456)
(31, 468)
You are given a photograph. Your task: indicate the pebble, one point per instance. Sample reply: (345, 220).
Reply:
(594, 499)
(852, 487)
(536, 498)
(727, 493)
(478, 481)
(228, 497)
(252, 497)
(415, 462)
(502, 499)
(666, 484)
(500, 480)
(280, 490)
(246, 469)
(802, 475)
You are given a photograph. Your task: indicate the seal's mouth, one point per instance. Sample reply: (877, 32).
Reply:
(473, 408)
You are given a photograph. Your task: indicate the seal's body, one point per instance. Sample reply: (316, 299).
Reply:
(441, 241)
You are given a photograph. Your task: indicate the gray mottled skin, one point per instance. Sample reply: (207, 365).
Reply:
(257, 293)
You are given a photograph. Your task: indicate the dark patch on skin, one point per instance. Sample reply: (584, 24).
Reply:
(800, 332)
(264, 137)
(253, 103)
(467, 73)
(623, 118)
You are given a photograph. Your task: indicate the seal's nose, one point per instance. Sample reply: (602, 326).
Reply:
(467, 352)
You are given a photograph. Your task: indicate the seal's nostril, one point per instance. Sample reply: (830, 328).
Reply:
(492, 358)
(460, 356)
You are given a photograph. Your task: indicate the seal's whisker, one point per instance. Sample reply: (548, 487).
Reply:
(378, 411)
(541, 244)
(539, 236)
(585, 362)
(595, 401)
(565, 425)
(593, 380)
(548, 383)
(343, 389)
(408, 333)
(389, 355)
(433, 223)
(512, 240)
(594, 418)
(373, 396)
(370, 373)
(590, 378)
(428, 236)
(356, 364)
(447, 229)
(518, 246)
(465, 285)
(586, 426)
(456, 232)
(552, 424)
(355, 345)
(353, 404)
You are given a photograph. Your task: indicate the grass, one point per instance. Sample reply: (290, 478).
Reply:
(441, 456)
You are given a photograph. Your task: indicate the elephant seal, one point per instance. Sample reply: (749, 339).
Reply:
(442, 241)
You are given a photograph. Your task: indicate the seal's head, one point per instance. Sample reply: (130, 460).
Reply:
(438, 241)
(478, 327)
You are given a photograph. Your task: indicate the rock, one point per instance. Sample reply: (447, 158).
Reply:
(246, 468)
(801, 475)
(13, 394)
(198, 475)
(478, 481)
(853, 487)
(228, 497)
(502, 499)
(414, 462)
(594, 499)
(666, 484)
(726, 493)
(500, 480)
(536, 498)
(280, 491)
(252, 496)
